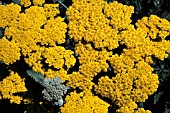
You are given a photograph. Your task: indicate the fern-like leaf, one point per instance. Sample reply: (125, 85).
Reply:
(38, 77)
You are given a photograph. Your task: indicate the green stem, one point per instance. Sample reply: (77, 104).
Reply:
(63, 5)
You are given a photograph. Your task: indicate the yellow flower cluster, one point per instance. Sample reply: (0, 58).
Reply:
(161, 49)
(141, 110)
(38, 2)
(154, 26)
(141, 45)
(105, 25)
(131, 108)
(91, 63)
(27, 3)
(134, 85)
(32, 30)
(59, 57)
(62, 74)
(37, 15)
(141, 48)
(29, 25)
(78, 80)
(55, 30)
(117, 89)
(119, 14)
(87, 53)
(121, 63)
(130, 33)
(9, 51)
(98, 28)
(10, 85)
(84, 102)
(87, 20)
(145, 82)
(91, 69)
(34, 59)
(51, 10)
(8, 13)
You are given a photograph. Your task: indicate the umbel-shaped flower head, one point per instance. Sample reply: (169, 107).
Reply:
(54, 90)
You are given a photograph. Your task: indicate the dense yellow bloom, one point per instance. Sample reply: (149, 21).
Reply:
(121, 63)
(141, 46)
(84, 102)
(88, 54)
(38, 2)
(10, 85)
(97, 29)
(33, 58)
(51, 10)
(132, 85)
(8, 13)
(144, 86)
(62, 74)
(91, 69)
(9, 51)
(161, 49)
(157, 26)
(146, 48)
(15, 99)
(120, 14)
(117, 89)
(21, 23)
(25, 29)
(78, 80)
(30, 23)
(105, 85)
(25, 3)
(36, 15)
(129, 108)
(55, 30)
(141, 110)
(59, 57)
(87, 20)
(145, 83)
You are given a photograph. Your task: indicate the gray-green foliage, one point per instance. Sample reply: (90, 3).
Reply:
(169, 56)
(166, 110)
(53, 90)
(38, 77)
(1, 32)
(108, 1)
(16, 1)
(157, 97)
(58, 1)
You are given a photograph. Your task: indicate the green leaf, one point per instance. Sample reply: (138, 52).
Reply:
(169, 53)
(157, 96)
(38, 77)
(1, 33)
(168, 18)
(109, 1)
(58, 1)
(16, 1)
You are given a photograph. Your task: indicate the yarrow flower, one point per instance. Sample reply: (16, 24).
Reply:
(11, 85)
(9, 51)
